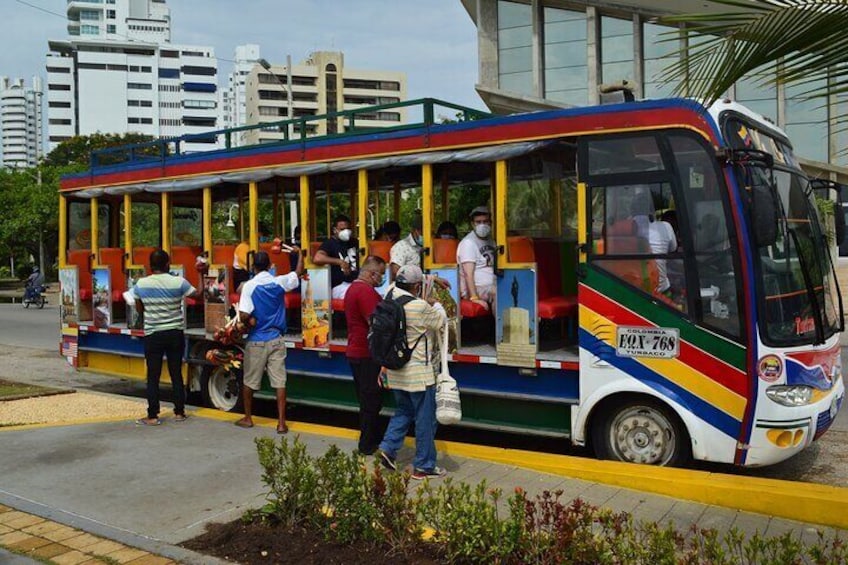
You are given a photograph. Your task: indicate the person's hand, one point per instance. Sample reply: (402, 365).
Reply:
(345, 267)
(296, 249)
(431, 300)
(481, 302)
(442, 282)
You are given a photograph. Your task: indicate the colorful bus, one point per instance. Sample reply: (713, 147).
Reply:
(665, 289)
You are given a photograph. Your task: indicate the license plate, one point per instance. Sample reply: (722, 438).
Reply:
(662, 343)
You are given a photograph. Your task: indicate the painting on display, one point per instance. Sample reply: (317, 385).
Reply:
(316, 309)
(101, 296)
(516, 328)
(180, 272)
(449, 298)
(135, 319)
(215, 299)
(69, 302)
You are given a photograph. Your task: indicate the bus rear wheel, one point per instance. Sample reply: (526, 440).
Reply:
(221, 388)
(641, 431)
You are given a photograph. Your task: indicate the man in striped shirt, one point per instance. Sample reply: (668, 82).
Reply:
(159, 297)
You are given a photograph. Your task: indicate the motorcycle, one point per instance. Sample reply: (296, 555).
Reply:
(34, 296)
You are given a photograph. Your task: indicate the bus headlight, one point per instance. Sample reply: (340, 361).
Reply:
(791, 395)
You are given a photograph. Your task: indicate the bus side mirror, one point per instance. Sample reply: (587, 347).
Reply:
(764, 215)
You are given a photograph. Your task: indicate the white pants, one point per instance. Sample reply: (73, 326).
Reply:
(340, 290)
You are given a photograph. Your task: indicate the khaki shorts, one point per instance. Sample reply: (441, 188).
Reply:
(261, 356)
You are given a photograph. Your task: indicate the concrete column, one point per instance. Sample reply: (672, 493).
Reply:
(638, 57)
(593, 50)
(487, 43)
(538, 49)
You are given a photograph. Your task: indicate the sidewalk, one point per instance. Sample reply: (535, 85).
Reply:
(152, 488)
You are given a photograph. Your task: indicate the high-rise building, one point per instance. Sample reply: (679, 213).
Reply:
(21, 125)
(550, 53)
(319, 85)
(233, 104)
(119, 73)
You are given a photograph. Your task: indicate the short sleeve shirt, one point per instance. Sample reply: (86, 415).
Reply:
(360, 301)
(481, 252)
(240, 256)
(406, 252)
(262, 297)
(162, 295)
(346, 250)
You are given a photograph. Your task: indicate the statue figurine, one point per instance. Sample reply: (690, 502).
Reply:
(514, 291)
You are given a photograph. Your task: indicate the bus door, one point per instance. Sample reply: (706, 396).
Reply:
(660, 338)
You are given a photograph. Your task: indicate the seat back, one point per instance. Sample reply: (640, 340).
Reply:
(281, 261)
(444, 250)
(113, 257)
(622, 239)
(141, 256)
(223, 254)
(314, 247)
(187, 257)
(549, 272)
(79, 257)
(520, 249)
(382, 249)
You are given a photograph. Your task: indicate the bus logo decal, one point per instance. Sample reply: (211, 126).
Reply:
(770, 368)
(633, 341)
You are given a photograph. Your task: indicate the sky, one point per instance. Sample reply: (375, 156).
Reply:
(433, 41)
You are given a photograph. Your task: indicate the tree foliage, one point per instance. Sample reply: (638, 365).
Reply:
(76, 152)
(796, 42)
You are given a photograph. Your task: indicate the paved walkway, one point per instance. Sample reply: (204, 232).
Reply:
(99, 489)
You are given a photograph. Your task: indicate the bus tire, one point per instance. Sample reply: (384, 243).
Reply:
(221, 388)
(641, 430)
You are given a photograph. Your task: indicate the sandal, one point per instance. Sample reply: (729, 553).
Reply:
(282, 430)
(243, 424)
(148, 422)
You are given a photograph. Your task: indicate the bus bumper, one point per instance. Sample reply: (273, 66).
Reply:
(773, 441)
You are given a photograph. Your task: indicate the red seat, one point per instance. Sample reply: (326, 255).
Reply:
(621, 239)
(113, 258)
(520, 249)
(79, 257)
(234, 299)
(280, 260)
(551, 301)
(187, 258)
(314, 247)
(558, 307)
(444, 251)
(382, 249)
(141, 256)
(337, 304)
(469, 309)
(292, 300)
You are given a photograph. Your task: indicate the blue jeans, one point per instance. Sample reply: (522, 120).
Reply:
(418, 407)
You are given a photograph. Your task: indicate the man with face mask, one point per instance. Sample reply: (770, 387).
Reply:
(408, 250)
(360, 301)
(340, 253)
(476, 257)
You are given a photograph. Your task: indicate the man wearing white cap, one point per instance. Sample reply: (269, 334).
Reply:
(414, 384)
(476, 257)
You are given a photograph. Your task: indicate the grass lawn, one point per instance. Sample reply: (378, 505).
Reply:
(10, 390)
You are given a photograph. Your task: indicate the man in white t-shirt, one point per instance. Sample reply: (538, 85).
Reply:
(476, 258)
(662, 240)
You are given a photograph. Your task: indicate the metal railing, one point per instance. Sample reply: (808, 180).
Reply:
(294, 131)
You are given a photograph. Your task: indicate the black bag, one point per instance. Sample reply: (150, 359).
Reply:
(387, 334)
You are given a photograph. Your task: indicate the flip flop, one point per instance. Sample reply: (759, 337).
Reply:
(180, 417)
(146, 422)
(243, 424)
(282, 431)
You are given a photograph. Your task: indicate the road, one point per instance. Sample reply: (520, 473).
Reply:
(29, 342)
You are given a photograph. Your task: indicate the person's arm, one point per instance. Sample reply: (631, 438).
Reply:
(394, 271)
(189, 291)
(245, 306)
(434, 317)
(139, 305)
(323, 258)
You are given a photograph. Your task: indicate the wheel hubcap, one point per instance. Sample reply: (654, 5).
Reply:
(223, 389)
(642, 434)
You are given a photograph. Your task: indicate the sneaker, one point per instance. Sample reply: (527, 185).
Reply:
(435, 473)
(388, 461)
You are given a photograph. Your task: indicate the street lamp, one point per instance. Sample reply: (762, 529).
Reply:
(287, 85)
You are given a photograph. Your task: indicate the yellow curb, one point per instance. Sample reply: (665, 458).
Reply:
(804, 502)
(65, 423)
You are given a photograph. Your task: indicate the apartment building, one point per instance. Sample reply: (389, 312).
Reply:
(319, 85)
(119, 73)
(21, 133)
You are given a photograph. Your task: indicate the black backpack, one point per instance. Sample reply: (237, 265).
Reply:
(387, 334)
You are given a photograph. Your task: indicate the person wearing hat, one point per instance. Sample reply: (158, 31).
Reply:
(414, 384)
(476, 257)
(262, 311)
(408, 250)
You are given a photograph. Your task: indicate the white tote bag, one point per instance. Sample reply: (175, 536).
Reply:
(448, 406)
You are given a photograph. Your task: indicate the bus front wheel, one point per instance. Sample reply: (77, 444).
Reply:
(221, 388)
(641, 431)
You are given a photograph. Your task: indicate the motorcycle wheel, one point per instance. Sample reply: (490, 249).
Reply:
(25, 303)
(41, 302)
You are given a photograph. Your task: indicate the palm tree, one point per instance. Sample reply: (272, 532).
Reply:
(793, 42)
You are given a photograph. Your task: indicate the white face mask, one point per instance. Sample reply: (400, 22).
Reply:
(344, 235)
(482, 230)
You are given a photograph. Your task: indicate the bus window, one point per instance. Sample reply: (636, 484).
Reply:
(624, 155)
(713, 282)
(79, 224)
(146, 224)
(332, 194)
(458, 188)
(186, 226)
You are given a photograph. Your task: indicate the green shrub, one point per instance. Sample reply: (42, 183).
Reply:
(289, 472)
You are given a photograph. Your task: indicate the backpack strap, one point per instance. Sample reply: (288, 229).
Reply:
(403, 301)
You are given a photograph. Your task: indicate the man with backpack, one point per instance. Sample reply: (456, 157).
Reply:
(404, 339)
(360, 301)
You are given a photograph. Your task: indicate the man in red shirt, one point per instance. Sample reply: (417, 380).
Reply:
(360, 301)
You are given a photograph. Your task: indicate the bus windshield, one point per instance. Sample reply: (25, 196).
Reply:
(799, 300)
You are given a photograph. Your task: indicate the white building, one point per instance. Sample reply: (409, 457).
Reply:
(21, 132)
(319, 85)
(121, 75)
(233, 100)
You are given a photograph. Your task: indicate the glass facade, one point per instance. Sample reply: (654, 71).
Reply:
(566, 68)
(616, 49)
(515, 47)
(566, 45)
